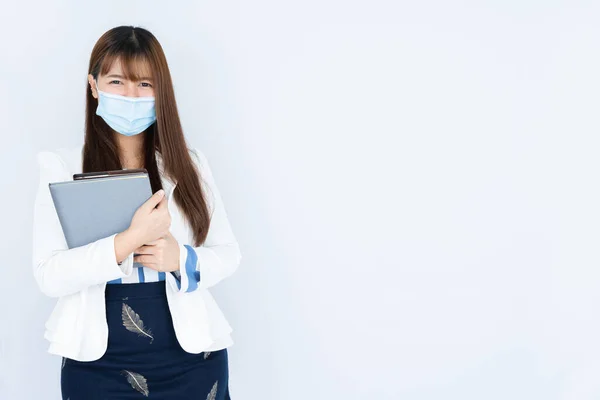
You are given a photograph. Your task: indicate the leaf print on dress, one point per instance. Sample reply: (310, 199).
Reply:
(206, 354)
(137, 381)
(213, 392)
(133, 323)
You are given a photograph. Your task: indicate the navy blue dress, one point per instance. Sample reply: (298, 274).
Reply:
(144, 358)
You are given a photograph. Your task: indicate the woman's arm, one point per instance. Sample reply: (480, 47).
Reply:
(218, 258)
(58, 270)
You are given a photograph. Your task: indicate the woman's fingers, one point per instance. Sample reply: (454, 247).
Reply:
(150, 261)
(147, 261)
(154, 242)
(162, 204)
(156, 199)
(148, 247)
(145, 249)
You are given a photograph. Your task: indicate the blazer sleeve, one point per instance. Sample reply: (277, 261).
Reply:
(219, 256)
(58, 270)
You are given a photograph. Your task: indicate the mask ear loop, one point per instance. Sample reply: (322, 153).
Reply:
(97, 88)
(98, 91)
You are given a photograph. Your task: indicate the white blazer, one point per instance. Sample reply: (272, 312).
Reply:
(77, 327)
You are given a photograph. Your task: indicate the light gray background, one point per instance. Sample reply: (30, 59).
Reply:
(414, 186)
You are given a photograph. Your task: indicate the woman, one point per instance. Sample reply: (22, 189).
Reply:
(149, 329)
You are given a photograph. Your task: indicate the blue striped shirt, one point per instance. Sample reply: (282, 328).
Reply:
(142, 274)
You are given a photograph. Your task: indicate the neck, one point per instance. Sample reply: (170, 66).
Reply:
(131, 150)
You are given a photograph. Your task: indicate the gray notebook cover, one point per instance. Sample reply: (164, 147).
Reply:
(91, 209)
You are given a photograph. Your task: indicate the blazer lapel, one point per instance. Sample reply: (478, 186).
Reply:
(168, 183)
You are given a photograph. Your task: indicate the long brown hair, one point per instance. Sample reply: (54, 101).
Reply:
(130, 45)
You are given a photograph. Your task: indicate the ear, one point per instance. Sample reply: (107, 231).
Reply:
(93, 87)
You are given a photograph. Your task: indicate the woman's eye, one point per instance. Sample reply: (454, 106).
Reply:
(115, 82)
(146, 84)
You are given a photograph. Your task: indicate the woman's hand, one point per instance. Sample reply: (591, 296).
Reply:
(151, 220)
(161, 254)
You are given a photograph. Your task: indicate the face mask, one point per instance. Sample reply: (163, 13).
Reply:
(126, 115)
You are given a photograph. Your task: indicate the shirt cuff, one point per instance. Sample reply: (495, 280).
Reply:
(126, 266)
(188, 276)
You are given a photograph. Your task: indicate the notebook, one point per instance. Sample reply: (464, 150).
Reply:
(95, 205)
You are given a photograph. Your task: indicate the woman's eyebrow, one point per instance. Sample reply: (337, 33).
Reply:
(144, 78)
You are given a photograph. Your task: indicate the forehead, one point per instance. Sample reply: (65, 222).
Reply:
(134, 69)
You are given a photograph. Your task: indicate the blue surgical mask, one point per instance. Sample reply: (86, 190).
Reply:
(126, 115)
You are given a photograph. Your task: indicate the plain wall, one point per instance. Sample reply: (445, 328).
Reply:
(414, 187)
